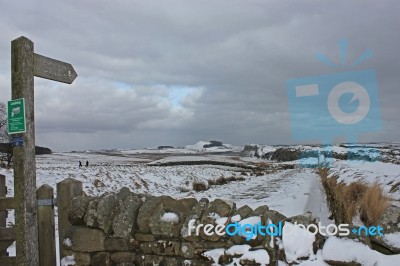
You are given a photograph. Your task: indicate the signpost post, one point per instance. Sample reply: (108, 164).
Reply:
(25, 64)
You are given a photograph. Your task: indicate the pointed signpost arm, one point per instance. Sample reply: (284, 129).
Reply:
(49, 68)
(26, 228)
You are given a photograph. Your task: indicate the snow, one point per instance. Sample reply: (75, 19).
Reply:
(253, 220)
(238, 249)
(68, 261)
(316, 261)
(67, 242)
(291, 192)
(294, 248)
(236, 218)
(393, 239)
(197, 146)
(259, 256)
(214, 216)
(109, 173)
(347, 250)
(170, 217)
(198, 158)
(214, 254)
(222, 220)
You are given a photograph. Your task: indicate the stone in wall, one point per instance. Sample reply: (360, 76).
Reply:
(147, 210)
(194, 218)
(270, 243)
(90, 218)
(101, 259)
(216, 212)
(124, 224)
(78, 209)
(161, 247)
(161, 228)
(107, 209)
(124, 257)
(240, 214)
(84, 239)
(80, 258)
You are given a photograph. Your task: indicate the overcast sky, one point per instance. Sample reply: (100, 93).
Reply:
(174, 72)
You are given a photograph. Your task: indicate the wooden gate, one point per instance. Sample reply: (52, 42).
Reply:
(45, 214)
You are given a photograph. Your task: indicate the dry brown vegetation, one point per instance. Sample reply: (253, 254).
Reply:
(346, 200)
(373, 205)
(222, 180)
(199, 186)
(263, 164)
(97, 183)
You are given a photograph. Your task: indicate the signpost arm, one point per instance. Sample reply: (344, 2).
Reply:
(26, 228)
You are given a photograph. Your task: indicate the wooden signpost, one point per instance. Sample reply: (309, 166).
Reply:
(25, 64)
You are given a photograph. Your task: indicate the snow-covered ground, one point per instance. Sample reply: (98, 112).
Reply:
(291, 192)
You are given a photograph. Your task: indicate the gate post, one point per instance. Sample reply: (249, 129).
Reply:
(3, 214)
(66, 191)
(47, 239)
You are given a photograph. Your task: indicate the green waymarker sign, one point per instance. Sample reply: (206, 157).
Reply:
(16, 116)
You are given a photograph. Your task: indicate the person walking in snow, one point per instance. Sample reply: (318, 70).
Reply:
(80, 164)
(87, 163)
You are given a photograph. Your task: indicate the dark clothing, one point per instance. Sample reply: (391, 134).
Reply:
(80, 164)
(87, 163)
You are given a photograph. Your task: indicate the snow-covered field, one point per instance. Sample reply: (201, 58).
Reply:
(110, 173)
(291, 192)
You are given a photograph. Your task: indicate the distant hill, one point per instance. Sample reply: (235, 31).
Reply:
(7, 148)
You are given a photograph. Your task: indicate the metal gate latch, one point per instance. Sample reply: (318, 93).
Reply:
(46, 202)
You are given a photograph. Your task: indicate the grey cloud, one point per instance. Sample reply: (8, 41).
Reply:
(239, 52)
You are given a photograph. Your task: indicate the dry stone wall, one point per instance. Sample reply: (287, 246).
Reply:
(125, 228)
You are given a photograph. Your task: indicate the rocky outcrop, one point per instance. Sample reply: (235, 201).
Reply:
(390, 221)
(213, 143)
(251, 151)
(283, 155)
